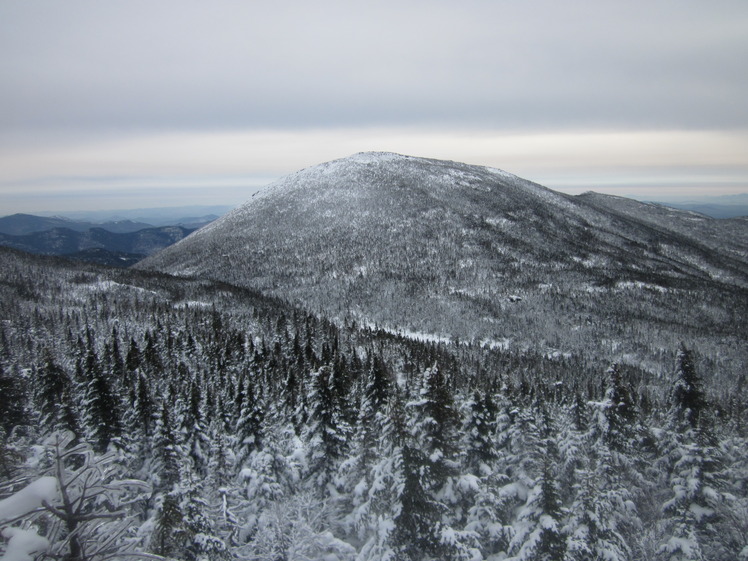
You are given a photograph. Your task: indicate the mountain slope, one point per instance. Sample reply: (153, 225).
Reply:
(464, 251)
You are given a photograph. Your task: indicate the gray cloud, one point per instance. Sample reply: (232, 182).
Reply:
(178, 98)
(509, 65)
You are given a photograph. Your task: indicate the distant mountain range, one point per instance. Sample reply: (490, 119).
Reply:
(23, 224)
(111, 238)
(98, 245)
(717, 207)
(161, 216)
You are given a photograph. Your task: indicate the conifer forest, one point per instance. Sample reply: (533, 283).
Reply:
(192, 420)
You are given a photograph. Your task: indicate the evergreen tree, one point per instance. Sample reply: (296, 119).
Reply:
(686, 395)
(327, 432)
(54, 399)
(103, 418)
(538, 532)
(12, 401)
(615, 417)
(429, 469)
(166, 450)
(479, 433)
(169, 535)
(694, 511)
(249, 423)
(592, 528)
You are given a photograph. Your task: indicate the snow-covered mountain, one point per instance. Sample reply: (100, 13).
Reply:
(593, 407)
(456, 250)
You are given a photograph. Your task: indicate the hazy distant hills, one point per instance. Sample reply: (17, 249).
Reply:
(97, 245)
(22, 224)
(118, 242)
(455, 250)
(188, 216)
(723, 206)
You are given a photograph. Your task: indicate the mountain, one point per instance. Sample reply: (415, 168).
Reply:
(159, 216)
(720, 206)
(22, 224)
(714, 210)
(97, 244)
(455, 251)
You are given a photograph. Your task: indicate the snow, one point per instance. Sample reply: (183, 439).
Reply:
(688, 547)
(28, 499)
(23, 545)
(193, 304)
(638, 285)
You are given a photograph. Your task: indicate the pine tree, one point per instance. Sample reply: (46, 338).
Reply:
(695, 509)
(616, 415)
(429, 467)
(249, 423)
(55, 404)
(371, 418)
(326, 433)
(592, 529)
(166, 450)
(169, 535)
(686, 395)
(538, 529)
(479, 432)
(12, 401)
(103, 417)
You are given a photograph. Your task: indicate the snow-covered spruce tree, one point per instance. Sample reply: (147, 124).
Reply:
(479, 433)
(686, 397)
(169, 534)
(54, 398)
(103, 416)
(248, 432)
(356, 472)
(144, 409)
(193, 428)
(424, 525)
(591, 528)
(269, 476)
(326, 433)
(12, 400)
(374, 518)
(203, 540)
(371, 416)
(222, 494)
(167, 453)
(81, 502)
(482, 479)
(616, 459)
(697, 518)
(538, 533)
(615, 417)
(694, 510)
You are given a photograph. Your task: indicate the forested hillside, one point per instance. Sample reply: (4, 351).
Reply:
(475, 254)
(144, 414)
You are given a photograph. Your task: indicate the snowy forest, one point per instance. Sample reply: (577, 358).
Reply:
(144, 416)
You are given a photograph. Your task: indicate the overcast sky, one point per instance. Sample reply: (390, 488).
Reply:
(128, 103)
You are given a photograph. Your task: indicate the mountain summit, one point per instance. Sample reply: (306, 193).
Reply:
(456, 250)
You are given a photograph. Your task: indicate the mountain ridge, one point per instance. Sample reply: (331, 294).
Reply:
(462, 251)
(97, 244)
